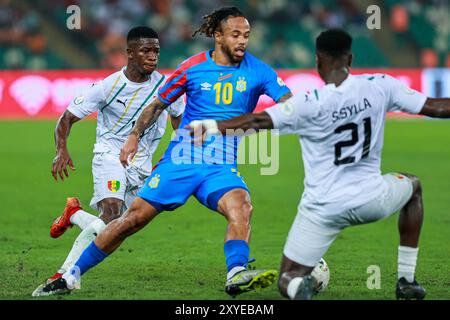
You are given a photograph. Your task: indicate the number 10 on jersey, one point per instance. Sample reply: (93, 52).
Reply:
(224, 93)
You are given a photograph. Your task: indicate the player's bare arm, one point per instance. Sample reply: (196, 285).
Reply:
(175, 121)
(145, 120)
(62, 158)
(436, 108)
(255, 121)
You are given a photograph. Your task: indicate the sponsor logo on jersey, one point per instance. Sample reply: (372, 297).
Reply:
(123, 103)
(113, 185)
(206, 86)
(154, 182)
(280, 82)
(241, 85)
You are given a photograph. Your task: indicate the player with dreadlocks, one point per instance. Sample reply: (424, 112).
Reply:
(219, 84)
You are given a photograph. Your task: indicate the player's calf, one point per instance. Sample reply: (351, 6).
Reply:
(236, 206)
(411, 215)
(409, 226)
(135, 218)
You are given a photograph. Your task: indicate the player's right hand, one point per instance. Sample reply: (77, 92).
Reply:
(200, 130)
(129, 149)
(60, 163)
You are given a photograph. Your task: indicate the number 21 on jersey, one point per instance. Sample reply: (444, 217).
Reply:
(353, 128)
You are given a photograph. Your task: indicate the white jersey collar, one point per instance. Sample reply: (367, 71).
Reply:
(129, 82)
(343, 86)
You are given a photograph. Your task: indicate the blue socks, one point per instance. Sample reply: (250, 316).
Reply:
(236, 253)
(90, 257)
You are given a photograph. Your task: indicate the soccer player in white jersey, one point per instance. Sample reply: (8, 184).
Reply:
(119, 100)
(341, 128)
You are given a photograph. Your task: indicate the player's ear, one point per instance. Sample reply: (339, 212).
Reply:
(350, 59)
(129, 53)
(218, 36)
(318, 61)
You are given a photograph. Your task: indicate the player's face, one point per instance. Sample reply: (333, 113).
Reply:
(234, 37)
(145, 54)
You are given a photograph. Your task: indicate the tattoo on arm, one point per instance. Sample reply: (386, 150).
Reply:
(148, 117)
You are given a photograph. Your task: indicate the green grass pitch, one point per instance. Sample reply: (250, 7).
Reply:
(180, 254)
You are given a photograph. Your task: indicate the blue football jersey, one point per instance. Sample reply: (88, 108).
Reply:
(219, 93)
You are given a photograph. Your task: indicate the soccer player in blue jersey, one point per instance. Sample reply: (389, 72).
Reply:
(219, 84)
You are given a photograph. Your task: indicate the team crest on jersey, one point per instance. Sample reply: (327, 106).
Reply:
(241, 85)
(154, 182)
(113, 185)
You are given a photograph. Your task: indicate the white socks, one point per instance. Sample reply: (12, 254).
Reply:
(81, 242)
(82, 219)
(407, 258)
(293, 287)
(73, 278)
(233, 271)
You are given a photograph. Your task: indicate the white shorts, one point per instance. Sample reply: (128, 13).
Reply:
(312, 233)
(112, 180)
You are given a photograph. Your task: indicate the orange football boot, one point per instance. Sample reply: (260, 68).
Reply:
(62, 223)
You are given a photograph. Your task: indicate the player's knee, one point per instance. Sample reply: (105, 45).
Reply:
(417, 186)
(241, 213)
(111, 209)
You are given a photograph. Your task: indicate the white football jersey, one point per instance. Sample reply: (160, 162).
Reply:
(119, 103)
(341, 133)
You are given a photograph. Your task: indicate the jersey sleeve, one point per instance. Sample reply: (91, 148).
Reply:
(401, 97)
(176, 108)
(273, 85)
(89, 101)
(293, 115)
(174, 87)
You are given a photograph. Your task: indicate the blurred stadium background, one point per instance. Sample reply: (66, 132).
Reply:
(415, 33)
(43, 65)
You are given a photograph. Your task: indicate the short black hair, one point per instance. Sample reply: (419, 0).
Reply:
(140, 32)
(334, 42)
(212, 21)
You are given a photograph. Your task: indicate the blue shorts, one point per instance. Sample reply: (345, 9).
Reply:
(170, 185)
